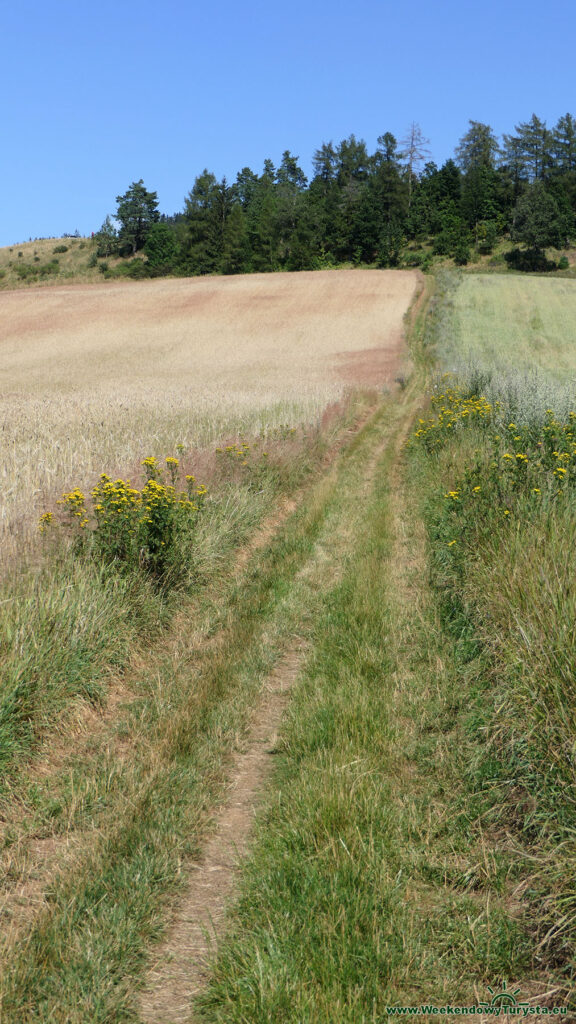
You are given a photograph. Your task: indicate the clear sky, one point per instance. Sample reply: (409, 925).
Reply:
(100, 93)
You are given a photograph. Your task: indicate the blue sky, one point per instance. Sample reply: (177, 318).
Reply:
(97, 95)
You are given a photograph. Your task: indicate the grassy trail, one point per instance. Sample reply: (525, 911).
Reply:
(371, 881)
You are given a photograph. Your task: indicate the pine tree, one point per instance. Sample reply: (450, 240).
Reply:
(478, 148)
(137, 211)
(564, 144)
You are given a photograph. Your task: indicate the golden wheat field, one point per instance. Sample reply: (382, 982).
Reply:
(95, 377)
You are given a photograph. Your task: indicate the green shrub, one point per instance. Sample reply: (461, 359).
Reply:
(46, 269)
(461, 253)
(529, 260)
(135, 269)
(60, 248)
(417, 259)
(487, 235)
(23, 271)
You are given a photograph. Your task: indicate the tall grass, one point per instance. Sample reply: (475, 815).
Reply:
(501, 513)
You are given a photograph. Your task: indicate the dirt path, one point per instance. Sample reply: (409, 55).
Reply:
(181, 965)
(180, 970)
(43, 865)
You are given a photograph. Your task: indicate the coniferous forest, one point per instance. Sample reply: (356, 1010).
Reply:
(393, 207)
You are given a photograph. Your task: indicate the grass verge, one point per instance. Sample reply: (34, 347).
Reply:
(500, 516)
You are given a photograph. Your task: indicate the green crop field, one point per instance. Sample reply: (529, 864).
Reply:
(506, 322)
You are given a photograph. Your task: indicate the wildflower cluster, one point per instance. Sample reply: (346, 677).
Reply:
(45, 521)
(238, 453)
(452, 410)
(74, 508)
(244, 461)
(514, 471)
(536, 461)
(131, 525)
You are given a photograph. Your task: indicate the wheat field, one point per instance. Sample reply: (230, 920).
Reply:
(95, 377)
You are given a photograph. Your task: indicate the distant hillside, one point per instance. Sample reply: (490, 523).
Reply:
(51, 260)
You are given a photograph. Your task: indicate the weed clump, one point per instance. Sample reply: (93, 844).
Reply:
(131, 527)
(517, 466)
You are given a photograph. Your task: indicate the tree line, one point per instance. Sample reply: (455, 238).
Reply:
(393, 207)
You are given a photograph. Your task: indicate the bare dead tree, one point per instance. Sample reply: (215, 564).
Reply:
(414, 152)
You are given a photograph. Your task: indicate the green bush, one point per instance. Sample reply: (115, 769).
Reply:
(45, 269)
(461, 253)
(135, 269)
(529, 260)
(23, 271)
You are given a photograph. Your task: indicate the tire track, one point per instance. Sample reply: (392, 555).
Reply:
(181, 966)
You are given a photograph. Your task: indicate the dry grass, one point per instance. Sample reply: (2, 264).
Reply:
(71, 264)
(96, 377)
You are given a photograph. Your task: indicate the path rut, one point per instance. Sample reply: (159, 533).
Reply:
(180, 970)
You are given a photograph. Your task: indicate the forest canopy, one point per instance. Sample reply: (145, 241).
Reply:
(392, 207)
